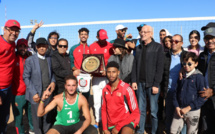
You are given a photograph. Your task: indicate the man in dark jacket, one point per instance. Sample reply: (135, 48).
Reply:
(207, 67)
(52, 40)
(172, 66)
(147, 74)
(61, 64)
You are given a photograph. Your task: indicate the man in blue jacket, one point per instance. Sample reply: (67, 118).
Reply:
(38, 78)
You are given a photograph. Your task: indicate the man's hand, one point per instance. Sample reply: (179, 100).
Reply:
(207, 93)
(185, 110)
(134, 86)
(129, 36)
(114, 131)
(181, 73)
(36, 98)
(155, 90)
(131, 45)
(38, 25)
(51, 86)
(104, 73)
(107, 132)
(76, 72)
(178, 111)
(46, 95)
(0, 101)
(78, 132)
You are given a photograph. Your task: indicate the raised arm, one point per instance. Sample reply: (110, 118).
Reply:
(42, 110)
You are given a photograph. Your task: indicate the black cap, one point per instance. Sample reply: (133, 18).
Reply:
(140, 27)
(41, 41)
(211, 24)
(119, 43)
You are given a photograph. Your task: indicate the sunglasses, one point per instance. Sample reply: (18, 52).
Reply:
(122, 30)
(64, 46)
(189, 64)
(13, 30)
(53, 38)
(175, 41)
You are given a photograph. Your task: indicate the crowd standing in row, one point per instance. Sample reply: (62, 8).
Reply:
(40, 77)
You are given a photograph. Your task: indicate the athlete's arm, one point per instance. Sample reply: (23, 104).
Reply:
(44, 110)
(86, 113)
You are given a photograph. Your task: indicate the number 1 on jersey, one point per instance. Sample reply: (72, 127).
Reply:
(70, 114)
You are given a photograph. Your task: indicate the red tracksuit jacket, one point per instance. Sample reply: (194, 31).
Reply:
(115, 111)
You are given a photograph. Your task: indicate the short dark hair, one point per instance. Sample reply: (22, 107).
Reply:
(71, 77)
(113, 64)
(62, 39)
(191, 55)
(195, 32)
(180, 37)
(170, 37)
(162, 30)
(83, 29)
(54, 33)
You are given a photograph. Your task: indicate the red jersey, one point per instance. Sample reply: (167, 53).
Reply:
(115, 110)
(7, 58)
(76, 54)
(106, 50)
(18, 84)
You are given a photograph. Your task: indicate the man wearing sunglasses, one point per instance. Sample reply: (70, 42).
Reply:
(61, 65)
(172, 66)
(146, 76)
(207, 67)
(7, 56)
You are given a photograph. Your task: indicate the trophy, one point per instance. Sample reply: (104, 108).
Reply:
(93, 63)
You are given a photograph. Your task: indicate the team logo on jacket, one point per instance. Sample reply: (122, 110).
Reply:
(79, 50)
(94, 49)
(118, 94)
(17, 64)
(106, 92)
(88, 51)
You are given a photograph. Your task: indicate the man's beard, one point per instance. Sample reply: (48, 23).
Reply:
(113, 80)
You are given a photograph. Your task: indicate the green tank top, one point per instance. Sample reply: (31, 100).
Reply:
(69, 114)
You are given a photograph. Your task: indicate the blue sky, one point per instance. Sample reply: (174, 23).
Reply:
(69, 11)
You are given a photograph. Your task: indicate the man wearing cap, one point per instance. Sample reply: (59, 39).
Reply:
(121, 34)
(99, 81)
(207, 67)
(147, 75)
(7, 56)
(38, 78)
(18, 88)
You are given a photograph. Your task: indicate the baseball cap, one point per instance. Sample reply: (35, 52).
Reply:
(119, 43)
(41, 41)
(12, 23)
(119, 27)
(140, 26)
(22, 42)
(211, 24)
(210, 31)
(102, 34)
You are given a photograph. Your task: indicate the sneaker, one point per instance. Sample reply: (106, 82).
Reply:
(31, 132)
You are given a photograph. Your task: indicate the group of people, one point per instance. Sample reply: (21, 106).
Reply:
(177, 84)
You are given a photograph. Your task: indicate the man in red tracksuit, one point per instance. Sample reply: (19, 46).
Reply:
(99, 80)
(18, 88)
(120, 112)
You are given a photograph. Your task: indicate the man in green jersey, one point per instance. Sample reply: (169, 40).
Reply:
(68, 105)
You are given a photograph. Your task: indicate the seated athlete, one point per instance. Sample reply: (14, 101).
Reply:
(120, 112)
(68, 105)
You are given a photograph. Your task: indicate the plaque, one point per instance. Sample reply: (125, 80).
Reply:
(93, 63)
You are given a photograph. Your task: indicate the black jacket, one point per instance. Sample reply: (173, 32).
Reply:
(202, 66)
(154, 64)
(167, 63)
(61, 68)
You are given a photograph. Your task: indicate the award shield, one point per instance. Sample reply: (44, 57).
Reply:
(93, 63)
